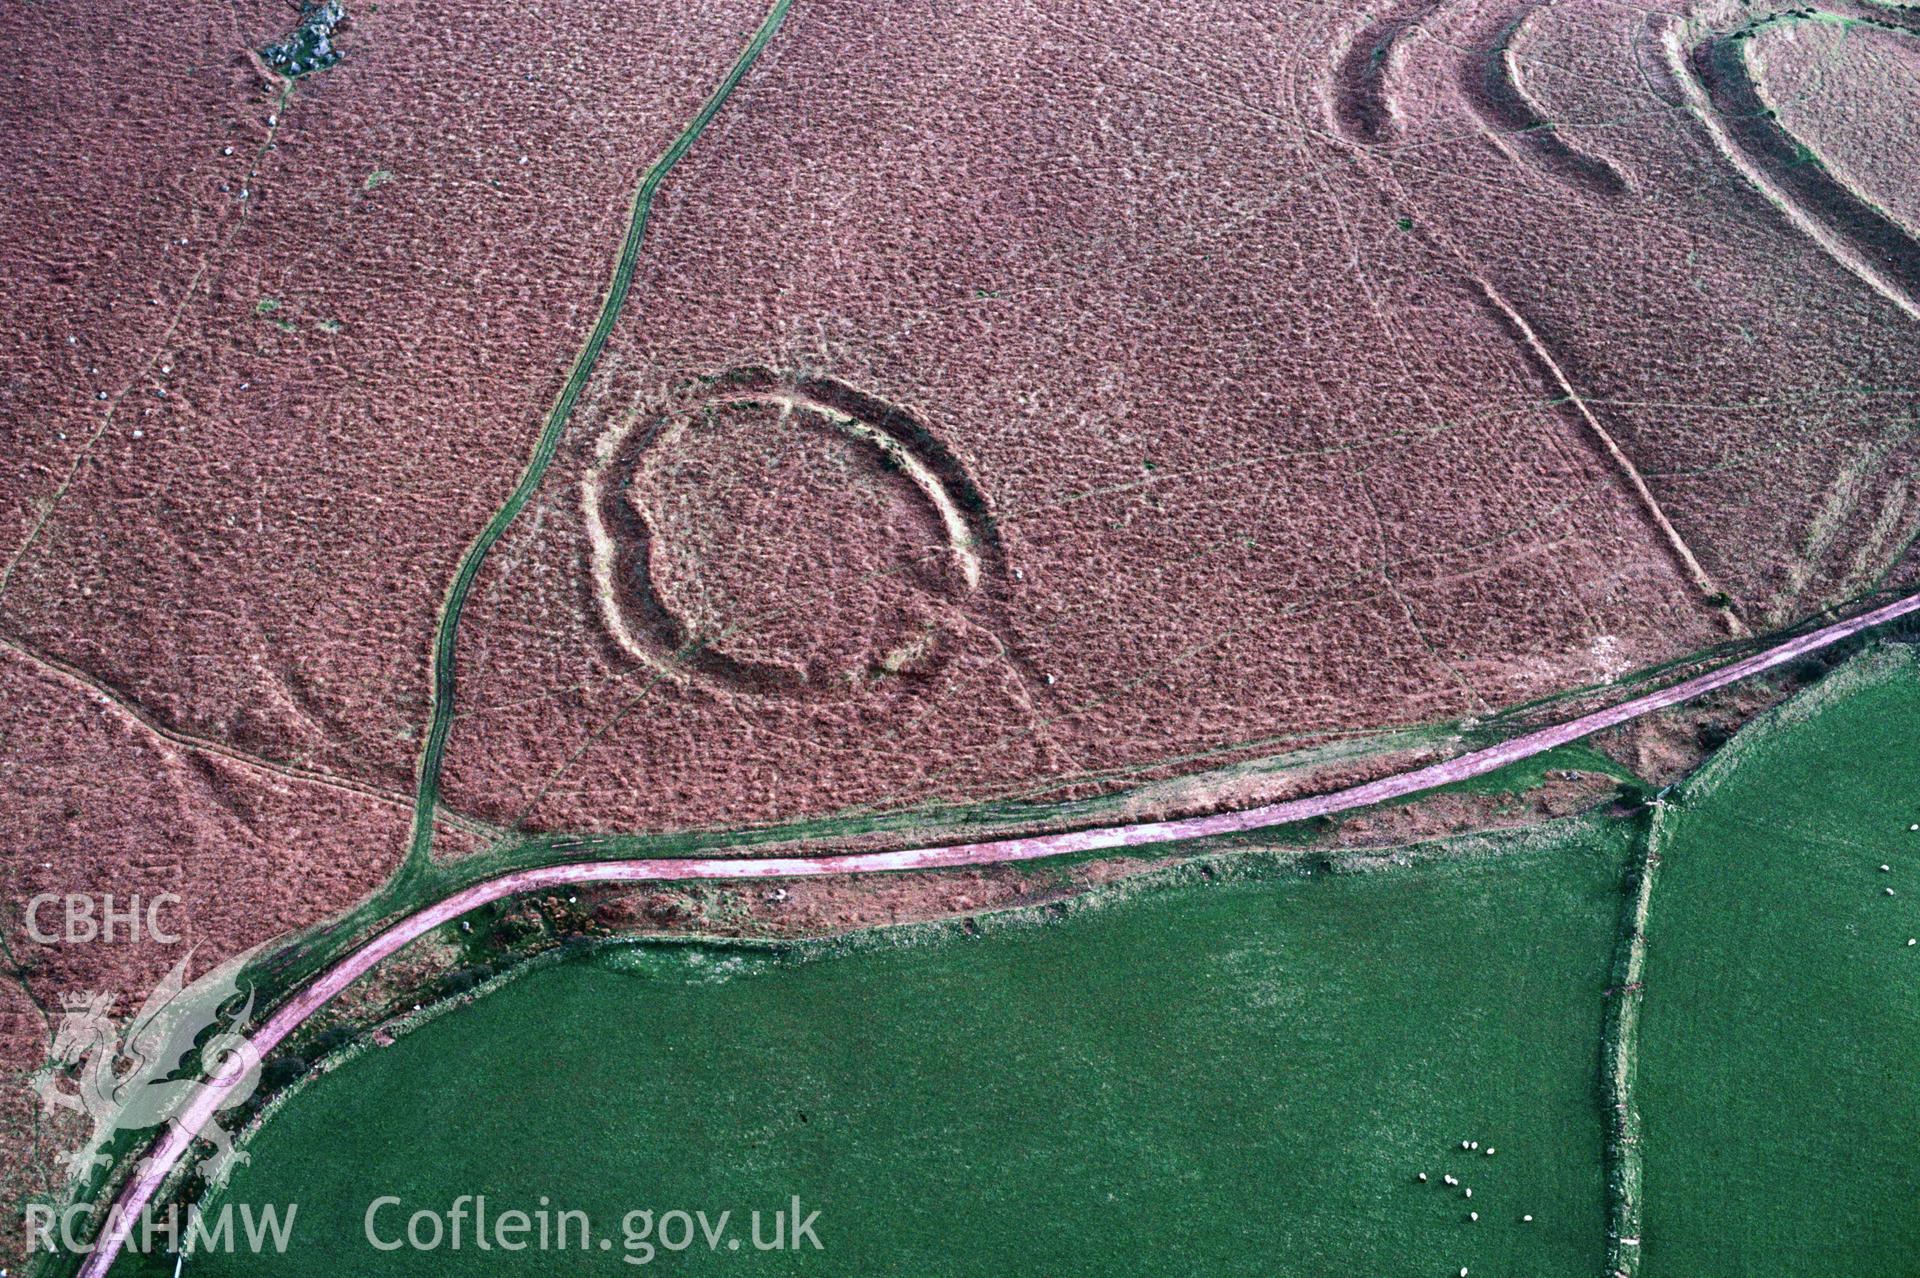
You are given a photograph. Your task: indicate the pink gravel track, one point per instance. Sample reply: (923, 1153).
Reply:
(139, 1191)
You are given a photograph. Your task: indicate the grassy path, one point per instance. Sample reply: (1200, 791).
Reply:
(427, 795)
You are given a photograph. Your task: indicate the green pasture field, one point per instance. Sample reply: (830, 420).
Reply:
(1241, 1077)
(1779, 1075)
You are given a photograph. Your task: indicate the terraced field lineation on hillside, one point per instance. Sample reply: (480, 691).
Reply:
(145, 367)
(1488, 74)
(441, 720)
(1720, 91)
(147, 1180)
(91, 687)
(1710, 592)
(1364, 116)
(1493, 90)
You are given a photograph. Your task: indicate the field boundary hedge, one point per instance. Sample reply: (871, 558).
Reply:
(1620, 1049)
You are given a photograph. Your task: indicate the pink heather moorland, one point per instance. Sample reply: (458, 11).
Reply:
(1284, 421)
(1011, 401)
